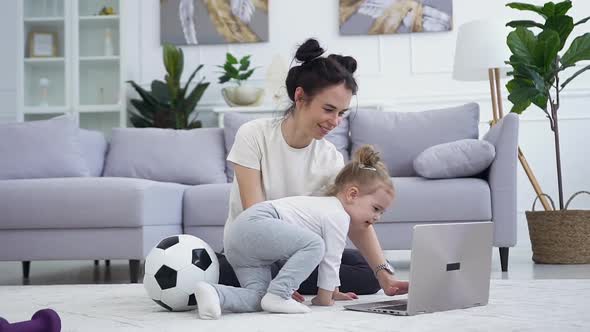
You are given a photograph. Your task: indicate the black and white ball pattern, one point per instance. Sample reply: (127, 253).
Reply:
(173, 268)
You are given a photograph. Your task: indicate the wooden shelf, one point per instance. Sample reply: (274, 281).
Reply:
(98, 59)
(106, 108)
(45, 109)
(50, 60)
(98, 18)
(48, 19)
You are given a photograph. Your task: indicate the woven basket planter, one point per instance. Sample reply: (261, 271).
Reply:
(560, 236)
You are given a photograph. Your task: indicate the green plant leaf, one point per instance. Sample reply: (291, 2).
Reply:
(138, 121)
(230, 70)
(160, 92)
(526, 6)
(548, 9)
(524, 24)
(574, 76)
(224, 78)
(188, 82)
(180, 64)
(582, 21)
(531, 75)
(144, 94)
(522, 43)
(521, 94)
(579, 50)
(562, 8)
(246, 75)
(244, 64)
(546, 49)
(144, 109)
(229, 58)
(173, 60)
(540, 100)
(193, 98)
(563, 25)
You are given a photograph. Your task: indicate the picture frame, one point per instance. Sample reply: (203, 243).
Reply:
(42, 44)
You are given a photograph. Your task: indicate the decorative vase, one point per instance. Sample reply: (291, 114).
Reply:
(243, 95)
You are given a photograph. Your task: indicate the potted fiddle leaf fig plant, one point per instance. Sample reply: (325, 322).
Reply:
(238, 71)
(538, 61)
(168, 104)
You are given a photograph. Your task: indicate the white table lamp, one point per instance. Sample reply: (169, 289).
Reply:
(480, 54)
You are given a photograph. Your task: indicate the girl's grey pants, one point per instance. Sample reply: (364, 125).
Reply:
(254, 241)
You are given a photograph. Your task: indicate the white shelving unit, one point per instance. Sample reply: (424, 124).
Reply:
(86, 76)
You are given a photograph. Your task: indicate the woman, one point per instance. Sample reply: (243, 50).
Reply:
(290, 157)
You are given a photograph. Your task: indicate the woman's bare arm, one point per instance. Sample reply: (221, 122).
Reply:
(250, 184)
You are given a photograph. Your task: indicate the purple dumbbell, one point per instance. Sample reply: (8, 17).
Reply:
(45, 320)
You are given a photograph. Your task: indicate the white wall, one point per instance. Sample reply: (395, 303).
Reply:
(8, 62)
(409, 72)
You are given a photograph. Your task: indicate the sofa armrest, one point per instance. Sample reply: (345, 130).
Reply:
(502, 179)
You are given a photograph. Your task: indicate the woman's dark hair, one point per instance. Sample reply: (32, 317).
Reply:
(315, 73)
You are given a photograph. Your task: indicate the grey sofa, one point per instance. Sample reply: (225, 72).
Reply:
(107, 217)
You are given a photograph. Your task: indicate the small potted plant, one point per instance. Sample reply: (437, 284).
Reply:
(168, 104)
(238, 71)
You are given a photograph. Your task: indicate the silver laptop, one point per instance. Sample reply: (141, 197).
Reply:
(450, 269)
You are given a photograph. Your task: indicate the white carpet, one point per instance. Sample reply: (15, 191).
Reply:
(515, 305)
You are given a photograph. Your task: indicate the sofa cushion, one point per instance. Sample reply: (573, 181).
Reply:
(94, 147)
(401, 136)
(422, 200)
(462, 158)
(232, 122)
(89, 203)
(41, 149)
(182, 156)
(206, 205)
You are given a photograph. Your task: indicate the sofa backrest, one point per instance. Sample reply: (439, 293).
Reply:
(189, 157)
(401, 136)
(93, 146)
(232, 122)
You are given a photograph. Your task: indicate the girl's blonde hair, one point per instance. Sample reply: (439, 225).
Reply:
(366, 171)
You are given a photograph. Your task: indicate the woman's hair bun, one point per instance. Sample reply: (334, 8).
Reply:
(309, 50)
(347, 62)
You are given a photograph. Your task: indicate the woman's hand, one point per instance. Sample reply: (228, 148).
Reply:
(391, 286)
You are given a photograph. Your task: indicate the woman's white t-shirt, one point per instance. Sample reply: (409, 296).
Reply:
(285, 171)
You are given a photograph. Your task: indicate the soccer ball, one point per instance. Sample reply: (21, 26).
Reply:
(173, 268)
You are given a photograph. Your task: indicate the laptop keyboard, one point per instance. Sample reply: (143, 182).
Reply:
(397, 307)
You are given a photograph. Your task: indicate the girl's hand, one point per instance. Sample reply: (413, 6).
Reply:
(338, 296)
(322, 301)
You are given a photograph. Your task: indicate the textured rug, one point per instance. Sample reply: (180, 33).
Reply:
(515, 305)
